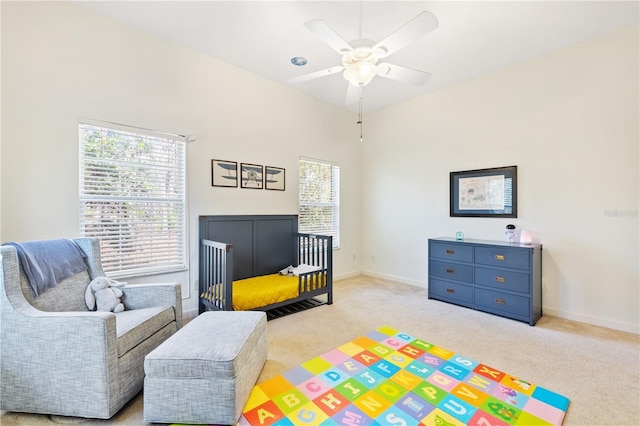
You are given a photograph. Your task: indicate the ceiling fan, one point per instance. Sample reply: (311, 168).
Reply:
(360, 57)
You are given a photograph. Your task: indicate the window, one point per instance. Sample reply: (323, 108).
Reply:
(320, 199)
(133, 198)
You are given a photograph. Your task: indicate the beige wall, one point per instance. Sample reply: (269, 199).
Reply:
(61, 62)
(569, 121)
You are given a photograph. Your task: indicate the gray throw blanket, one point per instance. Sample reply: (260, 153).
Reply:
(48, 262)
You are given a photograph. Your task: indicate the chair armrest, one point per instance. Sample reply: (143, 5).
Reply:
(86, 326)
(138, 296)
(49, 354)
(66, 348)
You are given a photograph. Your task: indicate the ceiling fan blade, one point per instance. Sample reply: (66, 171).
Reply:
(328, 35)
(402, 74)
(316, 74)
(419, 26)
(353, 94)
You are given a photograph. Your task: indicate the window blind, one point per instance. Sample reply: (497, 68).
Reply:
(319, 199)
(133, 198)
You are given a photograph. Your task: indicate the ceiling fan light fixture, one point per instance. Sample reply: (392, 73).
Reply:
(360, 67)
(360, 73)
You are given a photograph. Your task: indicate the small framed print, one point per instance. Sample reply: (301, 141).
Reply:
(251, 176)
(274, 178)
(224, 173)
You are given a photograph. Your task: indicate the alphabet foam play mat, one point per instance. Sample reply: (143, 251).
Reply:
(391, 378)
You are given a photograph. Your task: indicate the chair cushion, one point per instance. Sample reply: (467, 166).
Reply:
(136, 325)
(67, 296)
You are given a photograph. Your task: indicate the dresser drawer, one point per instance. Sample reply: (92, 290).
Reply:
(451, 271)
(502, 279)
(451, 251)
(454, 292)
(505, 257)
(501, 302)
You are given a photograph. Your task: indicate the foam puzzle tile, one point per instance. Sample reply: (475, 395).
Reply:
(391, 378)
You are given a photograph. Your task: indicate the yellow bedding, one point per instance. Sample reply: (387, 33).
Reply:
(256, 292)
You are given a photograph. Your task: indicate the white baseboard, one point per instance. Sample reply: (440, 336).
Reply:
(346, 276)
(601, 322)
(396, 278)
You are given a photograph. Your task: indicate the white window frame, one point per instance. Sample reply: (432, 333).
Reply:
(138, 185)
(330, 188)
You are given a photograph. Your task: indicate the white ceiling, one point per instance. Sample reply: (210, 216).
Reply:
(473, 38)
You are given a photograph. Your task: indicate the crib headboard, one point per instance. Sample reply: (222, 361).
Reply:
(262, 244)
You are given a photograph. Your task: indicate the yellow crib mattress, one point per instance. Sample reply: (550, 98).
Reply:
(256, 292)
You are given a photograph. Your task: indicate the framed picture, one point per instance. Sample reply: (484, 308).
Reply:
(484, 192)
(224, 173)
(274, 178)
(251, 176)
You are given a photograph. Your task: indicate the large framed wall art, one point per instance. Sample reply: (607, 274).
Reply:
(484, 192)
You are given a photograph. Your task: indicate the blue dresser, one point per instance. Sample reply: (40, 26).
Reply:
(491, 276)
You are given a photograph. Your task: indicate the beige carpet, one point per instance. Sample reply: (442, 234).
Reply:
(598, 369)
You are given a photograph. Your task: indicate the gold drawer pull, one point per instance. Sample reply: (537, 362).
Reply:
(450, 290)
(500, 279)
(499, 257)
(449, 251)
(450, 271)
(500, 301)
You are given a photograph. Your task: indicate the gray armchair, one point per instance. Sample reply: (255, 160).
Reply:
(57, 357)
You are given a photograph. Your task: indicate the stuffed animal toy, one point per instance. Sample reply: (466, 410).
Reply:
(103, 293)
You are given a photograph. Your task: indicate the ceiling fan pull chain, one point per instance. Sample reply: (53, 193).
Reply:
(360, 115)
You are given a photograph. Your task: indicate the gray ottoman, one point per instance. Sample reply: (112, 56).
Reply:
(205, 372)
